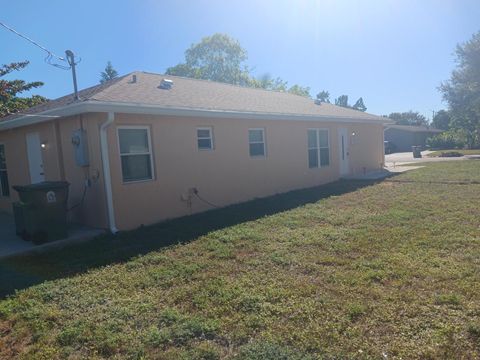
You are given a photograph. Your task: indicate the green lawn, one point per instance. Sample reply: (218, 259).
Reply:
(343, 271)
(463, 152)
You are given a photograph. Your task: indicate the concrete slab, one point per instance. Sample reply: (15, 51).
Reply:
(11, 244)
(381, 174)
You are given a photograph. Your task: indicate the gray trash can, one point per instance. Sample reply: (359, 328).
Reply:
(417, 151)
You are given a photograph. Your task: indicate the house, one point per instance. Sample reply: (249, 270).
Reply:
(402, 137)
(145, 147)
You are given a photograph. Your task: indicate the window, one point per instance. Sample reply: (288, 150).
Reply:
(318, 148)
(256, 141)
(4, 187)
(204, 138)
(135, 153)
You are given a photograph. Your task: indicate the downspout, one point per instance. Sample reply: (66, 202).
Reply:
(106, 171)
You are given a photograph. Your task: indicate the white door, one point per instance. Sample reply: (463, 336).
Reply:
(35, 161)
(343, 143)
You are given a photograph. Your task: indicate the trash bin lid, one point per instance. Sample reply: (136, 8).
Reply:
(42, 186)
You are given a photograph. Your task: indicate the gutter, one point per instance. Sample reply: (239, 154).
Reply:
(140, 108)
(106, 171)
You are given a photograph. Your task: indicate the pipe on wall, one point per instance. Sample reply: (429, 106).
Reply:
(106, 171)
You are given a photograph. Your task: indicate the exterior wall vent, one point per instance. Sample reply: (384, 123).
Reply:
(134, 79)
(166, 84)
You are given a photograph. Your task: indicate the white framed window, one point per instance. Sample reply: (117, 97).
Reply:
(4, 186)
(256, 142)
(205, 138)
(318, 148)
(135, 149)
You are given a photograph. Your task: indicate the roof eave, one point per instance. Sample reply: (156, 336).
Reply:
(139, 108)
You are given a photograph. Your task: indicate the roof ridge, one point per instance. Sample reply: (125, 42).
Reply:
(227, 84)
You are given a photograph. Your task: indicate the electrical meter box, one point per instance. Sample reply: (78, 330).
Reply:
(79, 141)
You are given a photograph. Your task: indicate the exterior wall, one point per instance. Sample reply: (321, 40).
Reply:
(59, 164)
(227, 174)
(223, 176)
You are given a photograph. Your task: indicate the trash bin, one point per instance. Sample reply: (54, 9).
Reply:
(41, 213)
(417, 151)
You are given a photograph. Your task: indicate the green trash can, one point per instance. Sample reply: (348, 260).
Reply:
(41, 214)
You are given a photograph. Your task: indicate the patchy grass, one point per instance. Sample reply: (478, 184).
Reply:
(461, 151)
(389, 269)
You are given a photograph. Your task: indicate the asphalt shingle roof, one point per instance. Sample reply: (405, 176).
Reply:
(187, 93)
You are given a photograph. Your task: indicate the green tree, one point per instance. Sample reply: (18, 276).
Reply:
(323, 96)
(409, 118)
(462, 91)
(217, 58)
(300, 90)
(441, 120)
(267, 82)
(342, 101)
(359, 105)
(9, 90)
(108, 74)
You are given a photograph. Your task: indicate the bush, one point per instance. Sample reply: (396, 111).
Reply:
(448, 140)
(450, 154)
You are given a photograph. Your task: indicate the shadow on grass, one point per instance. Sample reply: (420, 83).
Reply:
(19, 272)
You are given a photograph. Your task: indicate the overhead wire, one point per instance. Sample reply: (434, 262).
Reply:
(50, 55)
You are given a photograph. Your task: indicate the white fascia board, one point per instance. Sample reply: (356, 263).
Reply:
(138, 108)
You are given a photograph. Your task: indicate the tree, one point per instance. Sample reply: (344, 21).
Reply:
(359, 105)
(342, 100)
(462, 91)
(266, 82)
(441, 120)
(323, 96)
(300, 90)
(108, 74)
(9, 89)
(217, 58)
(409, 118)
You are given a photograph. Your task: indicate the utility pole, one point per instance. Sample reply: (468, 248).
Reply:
(71, 62)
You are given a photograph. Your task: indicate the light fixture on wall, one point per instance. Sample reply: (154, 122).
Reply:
(44, 145)
(353, 133)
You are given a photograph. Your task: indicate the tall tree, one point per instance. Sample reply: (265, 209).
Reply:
(218, 58)
(10, 102)
(300, 90)
(108, 74)
(462, 90)
(441, 120)
(323, 96)
(342, 100)
(408, 118)
(359, 105)
(267, 82)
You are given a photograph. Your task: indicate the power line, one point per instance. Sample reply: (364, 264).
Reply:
(50, 54)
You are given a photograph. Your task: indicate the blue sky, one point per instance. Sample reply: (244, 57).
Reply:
(393, 53)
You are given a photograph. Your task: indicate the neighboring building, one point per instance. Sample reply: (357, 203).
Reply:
(144, 147)
(402, 137)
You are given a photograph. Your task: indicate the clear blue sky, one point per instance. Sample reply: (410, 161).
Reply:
(393, 53)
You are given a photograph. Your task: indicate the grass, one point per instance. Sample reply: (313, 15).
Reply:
(461, 151)
(344, 271)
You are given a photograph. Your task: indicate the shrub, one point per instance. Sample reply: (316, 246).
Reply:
(448, 140)
(450, 154)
